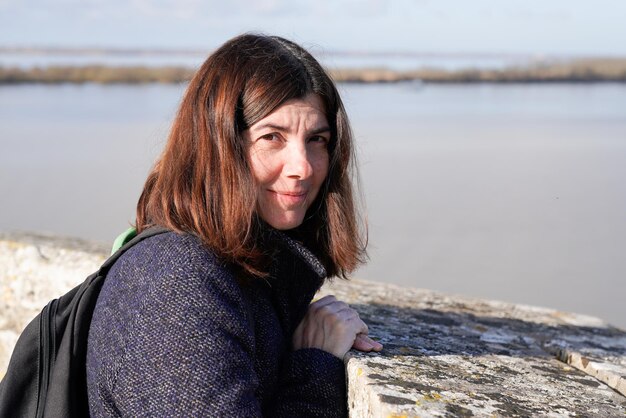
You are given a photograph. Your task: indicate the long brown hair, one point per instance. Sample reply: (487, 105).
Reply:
(202, 182)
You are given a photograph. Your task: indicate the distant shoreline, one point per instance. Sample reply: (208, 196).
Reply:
(576, 71)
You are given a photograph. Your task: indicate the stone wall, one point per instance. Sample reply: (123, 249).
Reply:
(443, 355)
(34, 269)
(454, 356)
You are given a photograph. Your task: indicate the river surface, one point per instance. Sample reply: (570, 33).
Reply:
(513, 192)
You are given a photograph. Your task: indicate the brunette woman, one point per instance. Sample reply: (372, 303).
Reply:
(215, 317)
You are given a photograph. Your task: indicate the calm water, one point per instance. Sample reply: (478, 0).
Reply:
(508, 192)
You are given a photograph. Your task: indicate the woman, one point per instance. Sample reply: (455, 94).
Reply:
(214, 318)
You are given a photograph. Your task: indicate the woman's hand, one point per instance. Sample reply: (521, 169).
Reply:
(331, 325)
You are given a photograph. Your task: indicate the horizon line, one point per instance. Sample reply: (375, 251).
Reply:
(113, 50)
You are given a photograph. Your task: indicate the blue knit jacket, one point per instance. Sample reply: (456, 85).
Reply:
(175, 334)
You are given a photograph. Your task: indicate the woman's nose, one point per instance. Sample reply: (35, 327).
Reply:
(298, 164)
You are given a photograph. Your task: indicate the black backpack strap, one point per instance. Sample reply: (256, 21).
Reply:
(146, 233)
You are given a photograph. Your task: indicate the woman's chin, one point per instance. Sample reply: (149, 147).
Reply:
(284, 221)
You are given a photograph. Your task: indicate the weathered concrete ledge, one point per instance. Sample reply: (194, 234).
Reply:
(444, 355)
(455, 356)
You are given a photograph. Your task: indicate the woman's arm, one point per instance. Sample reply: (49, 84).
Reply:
(313, 380)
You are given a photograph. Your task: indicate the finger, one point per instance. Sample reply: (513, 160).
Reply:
(364, 343)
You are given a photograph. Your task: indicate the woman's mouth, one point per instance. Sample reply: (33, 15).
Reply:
(290, 198)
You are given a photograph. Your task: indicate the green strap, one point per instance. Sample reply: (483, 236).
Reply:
(123, 238)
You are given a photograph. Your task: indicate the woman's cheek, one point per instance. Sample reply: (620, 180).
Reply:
(319, 160)
(263, 167)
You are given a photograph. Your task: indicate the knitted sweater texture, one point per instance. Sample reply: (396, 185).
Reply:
(174, 334)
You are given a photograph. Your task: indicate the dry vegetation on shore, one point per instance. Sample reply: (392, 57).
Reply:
(575, 71)
(583, 70)
(95, 74)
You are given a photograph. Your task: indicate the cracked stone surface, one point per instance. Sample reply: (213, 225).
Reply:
(448, 356)
(443, 356)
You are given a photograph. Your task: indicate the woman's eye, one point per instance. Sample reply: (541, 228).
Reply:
(319, 139)
(270, 137)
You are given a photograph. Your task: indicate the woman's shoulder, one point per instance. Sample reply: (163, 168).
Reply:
(171, 244)
(167, 297)
(171, 251)
(168, 275)
(169, 262)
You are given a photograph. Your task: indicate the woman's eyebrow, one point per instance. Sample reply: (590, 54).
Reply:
(321, 129)
(269, 125)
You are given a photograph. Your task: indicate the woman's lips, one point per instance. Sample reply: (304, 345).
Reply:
(290, 198)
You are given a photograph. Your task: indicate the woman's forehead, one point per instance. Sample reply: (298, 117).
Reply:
(307, 112)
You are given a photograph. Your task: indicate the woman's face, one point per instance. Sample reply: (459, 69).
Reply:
(288, 155)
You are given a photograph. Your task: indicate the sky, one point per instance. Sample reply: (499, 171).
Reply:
(561, 27)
